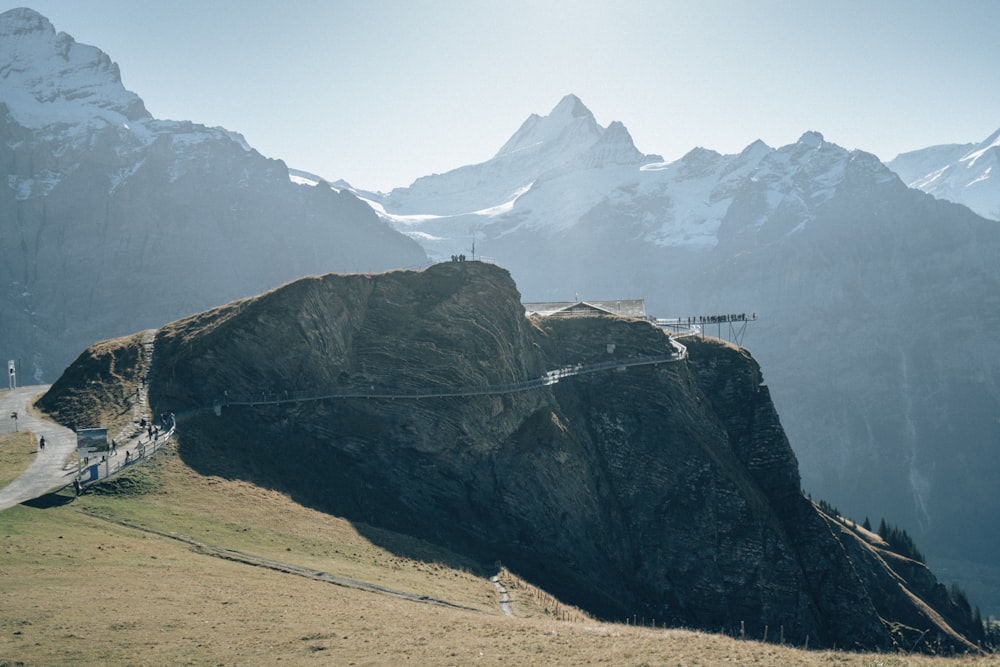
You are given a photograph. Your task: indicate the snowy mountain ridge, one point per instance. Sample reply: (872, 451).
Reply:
(49, 79)
(557, 168)
(966, 174)
(542, 148)
(66, 93)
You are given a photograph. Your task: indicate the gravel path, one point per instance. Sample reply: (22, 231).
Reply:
(49, 469)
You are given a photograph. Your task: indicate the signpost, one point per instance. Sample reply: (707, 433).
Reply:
(87, 441)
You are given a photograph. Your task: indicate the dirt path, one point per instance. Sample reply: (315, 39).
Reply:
(504, 597)
(288, 568)
(49, 469)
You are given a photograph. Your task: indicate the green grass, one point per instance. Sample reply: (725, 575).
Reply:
(117, 576)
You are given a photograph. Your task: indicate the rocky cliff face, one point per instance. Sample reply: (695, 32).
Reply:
(667, 491)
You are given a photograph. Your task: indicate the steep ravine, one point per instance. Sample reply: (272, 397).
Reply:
(665, 491)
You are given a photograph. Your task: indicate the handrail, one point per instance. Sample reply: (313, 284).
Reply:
(547, 379)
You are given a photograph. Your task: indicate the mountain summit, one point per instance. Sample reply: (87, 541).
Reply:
(567, 139)
(569, 126)
(49, 78)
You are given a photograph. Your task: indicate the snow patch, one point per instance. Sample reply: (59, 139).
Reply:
(41, 184)
(982, 177)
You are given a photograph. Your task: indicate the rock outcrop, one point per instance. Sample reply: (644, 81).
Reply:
(877, 302)
(664, 491)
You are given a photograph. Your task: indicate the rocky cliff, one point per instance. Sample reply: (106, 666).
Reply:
(666, 491)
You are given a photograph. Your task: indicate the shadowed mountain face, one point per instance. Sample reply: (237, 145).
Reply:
(668, 491)
(112, 221)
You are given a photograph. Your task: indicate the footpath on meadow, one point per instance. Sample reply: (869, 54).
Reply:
(55, 466)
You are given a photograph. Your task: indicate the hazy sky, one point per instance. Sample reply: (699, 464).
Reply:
(381, 92)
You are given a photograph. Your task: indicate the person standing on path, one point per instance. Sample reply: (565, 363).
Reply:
(41, 443)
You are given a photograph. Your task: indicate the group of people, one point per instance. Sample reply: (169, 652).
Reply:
(713, 319)
(166, 422)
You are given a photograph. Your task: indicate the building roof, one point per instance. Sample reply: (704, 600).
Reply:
(617, 307)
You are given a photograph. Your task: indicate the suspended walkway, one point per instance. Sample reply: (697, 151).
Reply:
(547, 379)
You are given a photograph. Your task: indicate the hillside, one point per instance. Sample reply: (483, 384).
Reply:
(166, 600)
(667, 491)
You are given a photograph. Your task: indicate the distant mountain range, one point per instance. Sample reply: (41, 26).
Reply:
(113, 221)
(877, 303)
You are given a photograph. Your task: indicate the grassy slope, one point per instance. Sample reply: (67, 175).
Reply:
(79, 587)
(17, 452)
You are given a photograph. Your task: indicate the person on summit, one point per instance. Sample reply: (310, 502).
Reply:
(41, 443)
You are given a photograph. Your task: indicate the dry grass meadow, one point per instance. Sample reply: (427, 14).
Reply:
(17, 452)
(136, 577)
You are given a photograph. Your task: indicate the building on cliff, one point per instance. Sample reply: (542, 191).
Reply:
(620, 307)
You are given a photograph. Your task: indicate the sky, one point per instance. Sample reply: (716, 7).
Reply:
(380, 92)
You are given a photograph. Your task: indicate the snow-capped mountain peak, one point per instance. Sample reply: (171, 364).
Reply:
(47, 78)
(967, 174)
(614, 147)
(571, 106)
(993, 141)
(544, 148)
(570, 123)
(564, 170)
